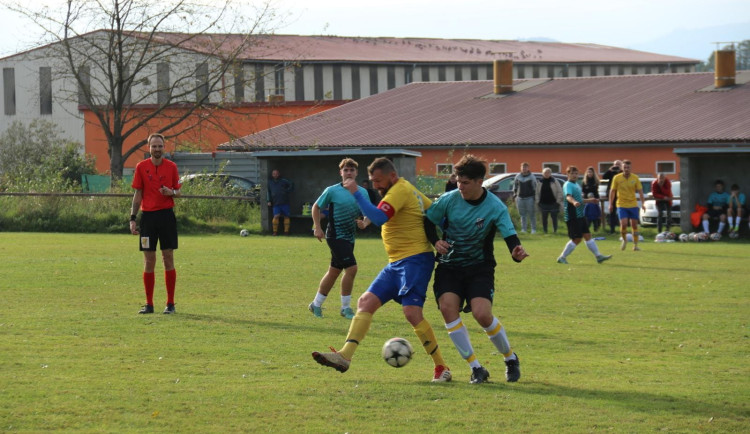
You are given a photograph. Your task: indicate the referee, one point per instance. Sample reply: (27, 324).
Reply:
(156, 183)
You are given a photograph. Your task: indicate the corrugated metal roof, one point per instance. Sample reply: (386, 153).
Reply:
(617, 109)
(386, 49)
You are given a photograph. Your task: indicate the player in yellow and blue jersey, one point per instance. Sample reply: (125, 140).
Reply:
(410, 260)
(470, 217)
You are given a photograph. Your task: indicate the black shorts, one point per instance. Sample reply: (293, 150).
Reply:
(716, 213)
(342, 253)
(466, 282)
(158, 226)
(577, 227)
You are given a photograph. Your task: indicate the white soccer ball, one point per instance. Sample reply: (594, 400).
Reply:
(244, 233)
(692, 236)
(734, 235)
(715, 236)
(701, 236)
(684, 238)
(660, 238)
(671, 235)
(397, 352)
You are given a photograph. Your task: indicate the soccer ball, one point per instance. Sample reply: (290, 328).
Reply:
(660, 237)
(244, 233)
(670, 235)
(715, 236)
(734, 235)
(692, 235)
(684, 238)
(701, 236)
(397, 352)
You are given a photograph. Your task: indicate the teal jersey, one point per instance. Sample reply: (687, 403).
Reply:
(573, 189)
(343, 211)
(470, 227)
(718, 199)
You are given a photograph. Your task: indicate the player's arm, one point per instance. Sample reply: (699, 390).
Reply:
(430, 230)
(376, 215)
(134, 207)
(515, 248)
(317, 230)
(612, 194)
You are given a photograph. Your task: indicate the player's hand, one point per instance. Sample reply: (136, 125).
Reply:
(270, 204)
(319, 234)
(133, 228)
(442, 247)
(361, 223)
(519, 253)
(576, 204)
(350, 184)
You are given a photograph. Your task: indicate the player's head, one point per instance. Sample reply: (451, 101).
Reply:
(348, 168)
(546, 172)
(382, 174)
(719, 185)
(735, 188)
(470, 171)
(572, 172)
(618, 163)
(156, 145)
(275, 174)
(525, 168)
(661, 177)
(626, 167)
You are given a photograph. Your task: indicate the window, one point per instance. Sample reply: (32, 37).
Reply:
(474, 72)
(239, 82)
(443, 169)
(391, 76)
(554, 167)
(9, 90)
(408, 71)
(356, 89)
(498, 168)
(162, 83)
(278, 79)
(337, 85)
(45, 90)
(665, 167)
(373, 80)
(441, 73)
(604, 166)
(84, 85)
(459, 73)
(201, 82)
(425, 73)
(260, 83)
(318, 80)
(299, 83)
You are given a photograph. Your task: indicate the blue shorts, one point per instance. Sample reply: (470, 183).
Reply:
(281, 210)
(405, 281)
(629, 213)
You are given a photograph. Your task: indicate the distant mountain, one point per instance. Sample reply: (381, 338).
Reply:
(695, 43)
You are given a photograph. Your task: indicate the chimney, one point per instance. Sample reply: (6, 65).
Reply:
(503, 74)
(725, 68)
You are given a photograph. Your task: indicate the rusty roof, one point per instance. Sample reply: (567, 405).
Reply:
(669, 108)
(388, 49)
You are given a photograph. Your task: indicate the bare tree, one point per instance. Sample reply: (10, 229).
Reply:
(134, 63)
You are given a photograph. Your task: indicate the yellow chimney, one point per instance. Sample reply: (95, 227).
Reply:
(725, 68)
(503, 75)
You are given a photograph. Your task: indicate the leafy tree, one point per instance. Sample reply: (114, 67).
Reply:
(35, 155)
(742, 60)
(112, 51)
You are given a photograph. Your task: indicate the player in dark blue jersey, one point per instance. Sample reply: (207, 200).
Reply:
(469, 218)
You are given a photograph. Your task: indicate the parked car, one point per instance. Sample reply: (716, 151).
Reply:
(227, 185)
(502, 185)
(648, 217)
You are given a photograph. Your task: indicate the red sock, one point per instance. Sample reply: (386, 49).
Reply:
(170, 277)
(148, 285)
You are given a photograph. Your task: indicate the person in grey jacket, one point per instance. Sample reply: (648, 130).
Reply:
(549, 198)
(524, 192)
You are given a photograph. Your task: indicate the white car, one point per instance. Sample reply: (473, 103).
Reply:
(648, 217)
(646, 183)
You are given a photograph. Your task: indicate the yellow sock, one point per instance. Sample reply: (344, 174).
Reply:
(357, 330)
(426, 335)
(275, 224)
(287, 223)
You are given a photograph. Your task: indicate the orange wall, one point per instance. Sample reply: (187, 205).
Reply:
(643, 158)
(227, 124)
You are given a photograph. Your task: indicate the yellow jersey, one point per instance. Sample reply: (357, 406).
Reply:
(626, 189)
(403, 233)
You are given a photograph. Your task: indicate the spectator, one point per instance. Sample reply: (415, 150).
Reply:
(661, 189)
(609, 175)
(372, 194)
(736, 208)
(593, 212)
(590, 184)
(524, 191)
(279, 190)
(549, 198)
(718, 202)
(452, 183)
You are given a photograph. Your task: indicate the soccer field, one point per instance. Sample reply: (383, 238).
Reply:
(655, 340)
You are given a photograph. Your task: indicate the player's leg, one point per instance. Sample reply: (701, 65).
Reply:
(634, 226)
(575, 238)
(324, 287)
(275, 222)
(344, 254)
(496, 333)
(722, 222)
(624, 223)
(706, 221)
(147, 244)
(285, 212)
(168, 242)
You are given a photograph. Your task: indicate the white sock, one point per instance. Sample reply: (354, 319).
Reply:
(591, 244)
(568, 249)
(496, 333)
(705, 226)
(460, 337)
(346, 301)
(319, 299)
(721, 227)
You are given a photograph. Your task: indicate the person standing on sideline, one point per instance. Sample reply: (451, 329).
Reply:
(371, 192)
(661, 189)
(624, 187)
(578, 228)
(156, 183)
(451, 184)
(470, 217)
(549, 197)
(609, 175)
(718, 202)
(593, 213)
(410, 261)
(342, 224)
(524, 191)
(590, 184)
(735, 208)
(279, 190)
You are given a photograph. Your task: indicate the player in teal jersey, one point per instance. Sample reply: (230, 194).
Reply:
(578, 227)
(343, 213)
(469, 218)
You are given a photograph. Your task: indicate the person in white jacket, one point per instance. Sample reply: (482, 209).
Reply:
(549, 198)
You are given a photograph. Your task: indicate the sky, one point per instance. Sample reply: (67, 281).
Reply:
(686, 28)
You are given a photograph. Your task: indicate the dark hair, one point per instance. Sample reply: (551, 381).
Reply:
(385, 165)
(624, 162)
(719, 181)
(571, 169)
(735, 187)
(348, 162)
(471, 167)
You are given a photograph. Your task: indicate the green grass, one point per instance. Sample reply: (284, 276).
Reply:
(650, 341)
